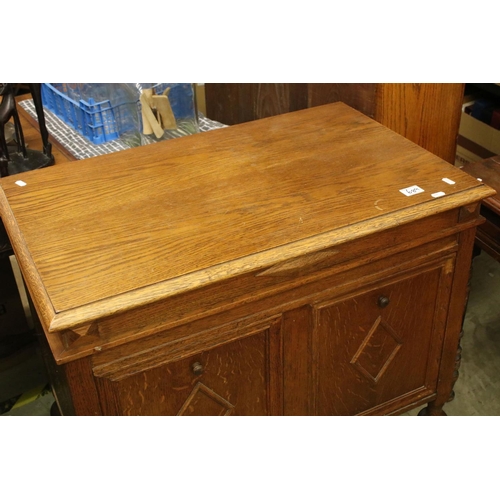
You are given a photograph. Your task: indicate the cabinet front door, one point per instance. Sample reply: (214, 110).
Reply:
(379, 346)
(231, 379)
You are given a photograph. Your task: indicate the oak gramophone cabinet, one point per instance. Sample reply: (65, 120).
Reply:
(312, 263)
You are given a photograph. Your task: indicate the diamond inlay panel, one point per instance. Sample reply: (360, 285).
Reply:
(377, 350)
(370, 355)
(204, 402)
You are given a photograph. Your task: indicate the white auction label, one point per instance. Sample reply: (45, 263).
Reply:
(410, 191)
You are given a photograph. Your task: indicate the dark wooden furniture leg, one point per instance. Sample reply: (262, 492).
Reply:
(36, 94)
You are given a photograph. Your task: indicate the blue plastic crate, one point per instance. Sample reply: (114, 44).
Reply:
(99, 122)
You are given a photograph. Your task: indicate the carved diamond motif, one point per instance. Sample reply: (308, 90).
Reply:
(204, 401)
(377, 350)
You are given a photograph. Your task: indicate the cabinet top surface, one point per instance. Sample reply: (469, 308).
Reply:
(143, 224)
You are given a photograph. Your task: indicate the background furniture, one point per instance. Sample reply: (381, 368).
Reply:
(488, 234)
(34, 140)
(426, 113)
(14, 328)
(255, 269)
(479, 132)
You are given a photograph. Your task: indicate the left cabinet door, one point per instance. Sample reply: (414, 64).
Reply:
(236, 378)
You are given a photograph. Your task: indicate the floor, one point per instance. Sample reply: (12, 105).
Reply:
(24, 389)
(477, 390)
(24, 386)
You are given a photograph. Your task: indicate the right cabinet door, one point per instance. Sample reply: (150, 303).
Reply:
(379, 350)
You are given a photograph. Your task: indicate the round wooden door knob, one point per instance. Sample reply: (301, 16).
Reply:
(197, 368)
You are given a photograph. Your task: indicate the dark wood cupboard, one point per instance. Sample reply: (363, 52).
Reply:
(426, 113)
